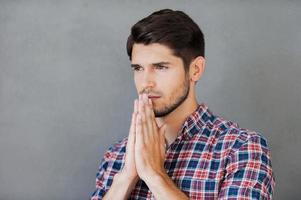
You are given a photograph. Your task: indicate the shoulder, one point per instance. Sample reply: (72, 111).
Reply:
(112, 160)
(230, 137)
(116, 149)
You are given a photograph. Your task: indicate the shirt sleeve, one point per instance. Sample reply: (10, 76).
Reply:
(101, 178)
(249, 171)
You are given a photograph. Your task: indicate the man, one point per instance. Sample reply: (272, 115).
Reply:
(176, 147)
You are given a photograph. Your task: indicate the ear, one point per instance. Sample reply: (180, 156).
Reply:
(197, 68)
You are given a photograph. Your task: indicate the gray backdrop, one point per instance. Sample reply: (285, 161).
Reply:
(66, 87)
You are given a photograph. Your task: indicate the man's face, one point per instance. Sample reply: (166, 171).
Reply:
(161, 75)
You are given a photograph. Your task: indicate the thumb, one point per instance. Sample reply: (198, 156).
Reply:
(162, 130)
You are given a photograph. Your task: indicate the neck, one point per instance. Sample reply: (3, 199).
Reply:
(175, 119)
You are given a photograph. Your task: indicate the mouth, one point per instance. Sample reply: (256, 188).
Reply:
(153, 97)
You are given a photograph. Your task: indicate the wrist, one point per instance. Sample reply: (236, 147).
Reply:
(162, 186)
(156, 179)
(121, 187)
(123, 176)
(122, 179)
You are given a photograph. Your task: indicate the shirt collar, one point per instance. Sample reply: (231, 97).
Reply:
(196, 121)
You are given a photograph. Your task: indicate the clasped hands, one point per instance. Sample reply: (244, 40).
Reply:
(145, 150)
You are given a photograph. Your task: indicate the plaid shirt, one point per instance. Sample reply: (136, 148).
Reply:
(210, 159)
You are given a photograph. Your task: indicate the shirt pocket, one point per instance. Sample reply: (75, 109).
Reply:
(199, 188)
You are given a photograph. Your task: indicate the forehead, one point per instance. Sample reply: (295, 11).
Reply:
(153, 53)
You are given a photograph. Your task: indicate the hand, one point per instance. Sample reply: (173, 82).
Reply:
(150, 141)
(145, 155)
(129, 169)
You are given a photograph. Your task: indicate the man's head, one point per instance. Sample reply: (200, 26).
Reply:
(166, 50)
(174, 29)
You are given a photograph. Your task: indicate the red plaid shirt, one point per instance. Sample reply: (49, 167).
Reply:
(210, 159)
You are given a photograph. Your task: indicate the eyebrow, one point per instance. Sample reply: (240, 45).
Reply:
(153, 64)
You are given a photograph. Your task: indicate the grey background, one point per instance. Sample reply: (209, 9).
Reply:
(66, 88)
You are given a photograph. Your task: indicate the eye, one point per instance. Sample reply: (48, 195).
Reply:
(161, 67)
(137, 68)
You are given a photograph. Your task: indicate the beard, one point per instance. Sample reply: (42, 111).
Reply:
(175, 101)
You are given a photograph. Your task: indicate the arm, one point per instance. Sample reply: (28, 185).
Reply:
(114, 187)
(101, 179)
(125, 180)
(249, 172)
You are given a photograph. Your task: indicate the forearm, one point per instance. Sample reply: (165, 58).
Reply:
(121, 187)
(164, 188)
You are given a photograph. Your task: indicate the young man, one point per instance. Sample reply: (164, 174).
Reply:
(176, 147)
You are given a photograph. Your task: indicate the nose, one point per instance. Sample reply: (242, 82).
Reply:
(148, 79)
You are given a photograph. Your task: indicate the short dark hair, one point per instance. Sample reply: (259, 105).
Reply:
(174, 29)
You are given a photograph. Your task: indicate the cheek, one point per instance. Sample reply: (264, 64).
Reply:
(172, 87)
(168, 88)
(173, 80)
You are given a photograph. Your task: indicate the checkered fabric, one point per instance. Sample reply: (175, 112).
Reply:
(212, 158)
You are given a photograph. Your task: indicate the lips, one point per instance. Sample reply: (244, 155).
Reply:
(153, 97)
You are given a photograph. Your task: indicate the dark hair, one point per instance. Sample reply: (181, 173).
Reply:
(174, 29)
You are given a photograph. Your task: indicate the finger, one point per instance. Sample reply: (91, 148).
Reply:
(162, 130)
(148, 118)
(148, 107)
(143, 119)
(131, 138)
(136, 106)
(163, 142)
(133, 122)
(154, 123)
(130, 146)
(135, 116)
(150, 103)
(140, 106)
(139, 134)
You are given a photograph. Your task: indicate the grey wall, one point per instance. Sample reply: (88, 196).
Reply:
(66, 88)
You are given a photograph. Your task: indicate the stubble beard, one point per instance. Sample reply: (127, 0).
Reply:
(167, 109)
